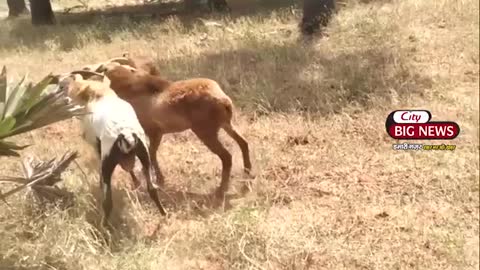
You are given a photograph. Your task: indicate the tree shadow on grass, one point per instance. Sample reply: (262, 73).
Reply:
(11, 263)
(281, 77)
(127, 222)
(191, 203)
(102, 24)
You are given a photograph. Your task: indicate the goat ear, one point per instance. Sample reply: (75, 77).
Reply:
(154, 71)
(155, 84)
(106, 67)
(106, 81)
(87, 74)
(92, 67)
(85, 94)
(129, 68)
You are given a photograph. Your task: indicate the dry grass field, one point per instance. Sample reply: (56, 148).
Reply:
(329, 191)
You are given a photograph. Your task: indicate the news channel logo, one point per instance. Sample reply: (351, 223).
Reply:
(417, 125)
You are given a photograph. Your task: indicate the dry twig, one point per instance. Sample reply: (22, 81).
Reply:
(40, 177)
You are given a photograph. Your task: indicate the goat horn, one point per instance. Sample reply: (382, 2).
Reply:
(92, 67)
(103, 67)
(87, 73)
(120, 60)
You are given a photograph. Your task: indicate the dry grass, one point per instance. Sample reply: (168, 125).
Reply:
(329, 192)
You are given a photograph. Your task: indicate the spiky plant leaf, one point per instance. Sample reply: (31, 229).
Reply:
(3, 88)
(40, 175)
(53, 108)
(26, 108)
(9, 149)
(7, 152)
(12, 146)
(35, 92)
(6, 125)
(13, 97)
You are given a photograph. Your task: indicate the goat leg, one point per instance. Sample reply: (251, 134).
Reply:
(108, 165)
(155, 141)
(243, 144)
(210, 139)
(136, 183)
(142, 154)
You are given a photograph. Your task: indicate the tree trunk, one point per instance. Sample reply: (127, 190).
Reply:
(16, 7)
(218, 5)
(42, 12)
(191, 5)
(316, 14)
(213, 5)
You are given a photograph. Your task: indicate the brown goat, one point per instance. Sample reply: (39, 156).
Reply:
(164, 106)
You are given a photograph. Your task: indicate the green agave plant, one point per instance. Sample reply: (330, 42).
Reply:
(24, 108)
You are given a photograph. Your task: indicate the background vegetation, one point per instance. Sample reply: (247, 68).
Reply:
(329, 192)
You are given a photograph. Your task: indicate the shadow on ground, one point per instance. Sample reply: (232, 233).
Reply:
(105, 23)
(124, 220)
(276, 77)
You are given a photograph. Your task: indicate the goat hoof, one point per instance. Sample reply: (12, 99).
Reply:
(219, 194)
(246, 188)
(249, 173)
(218, 198)
(158, 181)
(165, 214)
(136, 186)
(218, 203)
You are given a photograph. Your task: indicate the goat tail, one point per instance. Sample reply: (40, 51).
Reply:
(126, 143)
(228, 106)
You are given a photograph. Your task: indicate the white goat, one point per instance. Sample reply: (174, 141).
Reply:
(112, 128)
